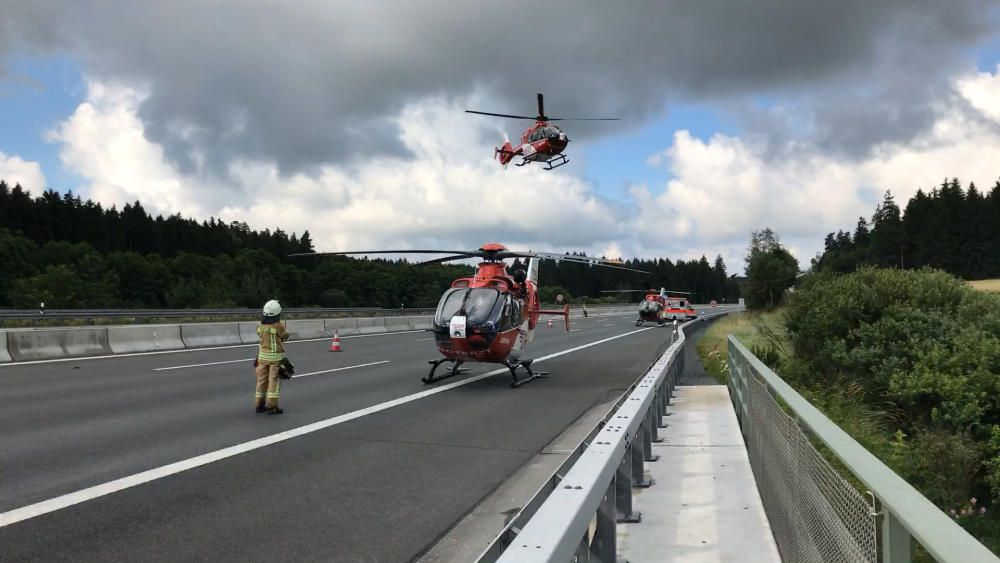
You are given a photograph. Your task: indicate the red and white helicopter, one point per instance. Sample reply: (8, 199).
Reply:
(491, 316)
(542, 142)
(663, 306)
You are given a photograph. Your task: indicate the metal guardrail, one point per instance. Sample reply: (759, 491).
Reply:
(20, 314)
(598, 485)
(813, 514)
(39, 314)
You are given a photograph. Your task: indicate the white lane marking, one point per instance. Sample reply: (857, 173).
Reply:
(340, 369)
(46, 506)
(248, 360)
(206, 349)
(576, 330)
(423, 339)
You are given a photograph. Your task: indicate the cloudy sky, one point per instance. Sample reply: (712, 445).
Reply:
(346, 118)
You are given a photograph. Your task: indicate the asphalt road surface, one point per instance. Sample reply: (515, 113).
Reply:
(160, 457)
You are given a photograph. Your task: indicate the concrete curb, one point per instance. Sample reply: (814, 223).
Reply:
(47, 344)
(128, 339)
(372, 326)
(210, 334)
(4, 354)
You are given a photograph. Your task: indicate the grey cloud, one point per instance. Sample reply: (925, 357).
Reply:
(316, 82)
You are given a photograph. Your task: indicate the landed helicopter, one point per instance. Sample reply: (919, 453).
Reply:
(491, 316)
(542, 142)
(660, 307)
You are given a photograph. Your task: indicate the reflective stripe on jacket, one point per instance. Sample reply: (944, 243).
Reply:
(272, 342)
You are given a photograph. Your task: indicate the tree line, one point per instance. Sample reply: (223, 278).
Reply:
(948, 228)
(69, 253)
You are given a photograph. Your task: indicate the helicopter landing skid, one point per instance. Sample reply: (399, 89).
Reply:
(550, 164)
(516, 381)
(556, 162)
(455, 370)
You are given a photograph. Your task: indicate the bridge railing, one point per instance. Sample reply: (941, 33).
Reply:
(816, 514)
(596, 487)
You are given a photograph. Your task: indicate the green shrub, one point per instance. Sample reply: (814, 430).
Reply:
(922, 346)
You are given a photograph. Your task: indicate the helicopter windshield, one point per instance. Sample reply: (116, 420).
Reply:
(649, 306)
(481, 306)
(546, 132)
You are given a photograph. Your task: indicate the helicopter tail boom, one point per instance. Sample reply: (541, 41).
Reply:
(506, 152)
(564, 313)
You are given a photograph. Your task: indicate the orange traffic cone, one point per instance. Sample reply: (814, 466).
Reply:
(335, 345)
(550, 323)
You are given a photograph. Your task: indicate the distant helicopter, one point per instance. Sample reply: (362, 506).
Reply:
(542, 142)
(660, 307)
(491, 316)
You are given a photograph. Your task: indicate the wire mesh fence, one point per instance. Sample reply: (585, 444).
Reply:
(815, 514)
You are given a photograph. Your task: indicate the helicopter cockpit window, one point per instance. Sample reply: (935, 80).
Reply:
(481, 307)
(449, 305)
(649, 306)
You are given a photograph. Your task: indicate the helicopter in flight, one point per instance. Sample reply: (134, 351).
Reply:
(660, 307)
(491, 316)
(542, 142)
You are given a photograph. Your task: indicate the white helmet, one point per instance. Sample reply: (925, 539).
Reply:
(272, 308)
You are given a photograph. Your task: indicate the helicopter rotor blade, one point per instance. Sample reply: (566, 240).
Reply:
(626, 290)
(446, 259)
(501, 115)
(541, 106)
(577, 260)
(584, 119)
(468, 253)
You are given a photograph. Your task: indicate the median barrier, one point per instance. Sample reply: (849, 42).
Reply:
(146, 338)
(371, 326)
(4, 354)
(343, 327)
(48, 344)
(303, 330)
(397, 324)
(210, 334)
(248, 332)
(421, 323)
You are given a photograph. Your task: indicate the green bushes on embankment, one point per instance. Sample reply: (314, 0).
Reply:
(908, 362)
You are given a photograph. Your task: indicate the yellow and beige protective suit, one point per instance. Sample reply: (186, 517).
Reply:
(272, 351)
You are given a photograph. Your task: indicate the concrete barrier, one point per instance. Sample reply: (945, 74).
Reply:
(248, 332)
(421, 323)
(210, 334)
(4, 354)
(397, 324)
(371, 326)
(302, 330)
(144, 338)
(344, 327)
(48, 344)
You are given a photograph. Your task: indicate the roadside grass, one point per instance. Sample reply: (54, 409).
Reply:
(992, 286)
(757, 331)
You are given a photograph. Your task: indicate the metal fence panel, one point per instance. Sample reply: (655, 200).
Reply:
(815, 514)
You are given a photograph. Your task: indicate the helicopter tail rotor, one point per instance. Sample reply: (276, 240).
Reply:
(505, 152)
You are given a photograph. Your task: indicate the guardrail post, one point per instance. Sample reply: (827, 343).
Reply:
(654, 422)
(605, 544)
(895, 540)
(639, 455)
(623, 489)
(649, 436)
(660, 404)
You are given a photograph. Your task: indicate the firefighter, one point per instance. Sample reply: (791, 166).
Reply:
(273, 335)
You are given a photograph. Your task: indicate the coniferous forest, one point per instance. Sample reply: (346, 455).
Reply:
(949, 228)
(65, 252)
